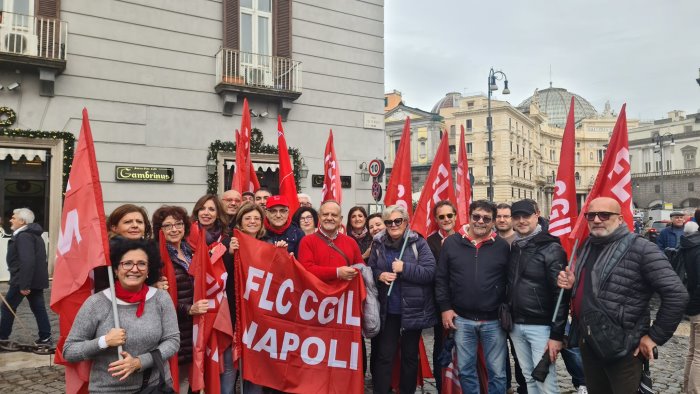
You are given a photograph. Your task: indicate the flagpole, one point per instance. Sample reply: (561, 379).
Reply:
(403, 248)
(561, 291)
(110, 275)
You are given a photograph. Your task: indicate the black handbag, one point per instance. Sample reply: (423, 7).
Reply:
(505, 317)
(645, 386)
(162, 386)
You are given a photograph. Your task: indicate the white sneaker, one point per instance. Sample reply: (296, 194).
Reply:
(582, 390)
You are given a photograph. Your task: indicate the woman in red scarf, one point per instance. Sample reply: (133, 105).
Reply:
(146, 316)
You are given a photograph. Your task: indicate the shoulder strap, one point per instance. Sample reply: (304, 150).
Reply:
(333, 246)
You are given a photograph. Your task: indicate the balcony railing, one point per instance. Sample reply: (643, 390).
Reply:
(33, 36)
(258, 71)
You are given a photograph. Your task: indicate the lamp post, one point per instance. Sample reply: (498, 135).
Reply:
(660, 141)
(493, 77)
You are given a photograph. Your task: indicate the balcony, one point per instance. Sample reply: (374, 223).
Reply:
(250, 74)
(34, 43)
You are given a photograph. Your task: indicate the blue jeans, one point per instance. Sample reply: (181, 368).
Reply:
(227, 379)
(493, 339)
(530, 341)
(36, 303)
(572, 360)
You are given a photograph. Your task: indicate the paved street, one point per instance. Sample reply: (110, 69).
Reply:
(28, 373)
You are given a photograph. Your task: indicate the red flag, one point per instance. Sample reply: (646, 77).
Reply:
(399, 190)
(241, 178)
(254, 184)
(82, 246)
(464, 188)
(169, 273)
(438, 186)
(564, 210)
(331, 174)
(209, 283)
(614, 178)
(287, 186)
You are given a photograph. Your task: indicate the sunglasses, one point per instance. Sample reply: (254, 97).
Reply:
(603, 216)
(519, 216)
(486, 219)
(393, 223)
(448, 216)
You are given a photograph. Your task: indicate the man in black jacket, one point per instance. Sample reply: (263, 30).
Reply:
(469, 288)
(535, 262)
(616, 273)
(29, 275)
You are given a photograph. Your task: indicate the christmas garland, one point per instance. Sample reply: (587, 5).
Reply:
(10, 117)
(256, 146)
(68, 145)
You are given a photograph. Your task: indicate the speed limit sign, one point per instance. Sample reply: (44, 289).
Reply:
(375, 168)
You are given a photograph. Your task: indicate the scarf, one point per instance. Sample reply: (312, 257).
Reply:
(359, 235)
(213, 234)
(132, 296)
(394, 243)
(612, 242)
(278, 231)
(522, 241)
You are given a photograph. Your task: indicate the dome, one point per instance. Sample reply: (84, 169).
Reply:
(555, 103)
(450, 100)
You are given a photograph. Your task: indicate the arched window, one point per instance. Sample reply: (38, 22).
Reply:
(578, 179)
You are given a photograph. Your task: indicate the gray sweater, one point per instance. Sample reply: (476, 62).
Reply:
(156, 328)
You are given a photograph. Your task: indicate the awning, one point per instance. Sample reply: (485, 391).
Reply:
(259, 166)
(17, 153)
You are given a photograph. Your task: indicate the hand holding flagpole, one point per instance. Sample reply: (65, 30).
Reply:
(403, 248)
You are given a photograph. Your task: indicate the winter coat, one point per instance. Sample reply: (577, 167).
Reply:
(690, 250)
(472, 281)
(626, 286)
(26, 259)
(185, 297)
(669, 237)
(416, 281)
(532, 283)
(292, 235)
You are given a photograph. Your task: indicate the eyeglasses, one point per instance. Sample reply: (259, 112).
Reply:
(519, 216)
(502, 216)
(393, 223)
(278, 211)
(176, 226)
(486, 219)
(603, 216)
(129, 265)
(448, 216)
(306, 218)
(230, 200)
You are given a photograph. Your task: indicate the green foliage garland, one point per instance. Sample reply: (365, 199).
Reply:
(68, 145)
(256, 146)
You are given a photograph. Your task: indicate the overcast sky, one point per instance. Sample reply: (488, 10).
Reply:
(643, 52)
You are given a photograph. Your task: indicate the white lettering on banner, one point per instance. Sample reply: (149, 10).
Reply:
(290, 343)
(264, 302)
(326, 318)
(330, 175)
(268, 343)
(249, 283)
(331, 356)
(400, 200)
(560, 224)
(71, 230)
(306, 314)
(439, 185)
(320, 350)
(622, 157)
(284, 308)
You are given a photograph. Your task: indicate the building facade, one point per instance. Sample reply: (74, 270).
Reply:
(164, 83)
(664, 161)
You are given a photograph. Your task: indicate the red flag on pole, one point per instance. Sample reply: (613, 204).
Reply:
(287, 186)
(438, 186)
(254, 184)
(82, 246)
(399, 190)
(331, 174)
(241, 177)
(614, 178)
(464, 187)
(169, 273)
(564, 210)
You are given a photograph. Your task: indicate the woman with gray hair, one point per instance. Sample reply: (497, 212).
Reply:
(410, 306)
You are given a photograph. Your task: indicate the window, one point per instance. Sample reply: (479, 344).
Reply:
(452, 131)
(517, 149)
(691, 187)
(518, 192)
(518, 172)
(469, 122)
(511, 170)
(256, 27)
(601, 155)
(669, 165)
(657, 189)
(488, 171)
(577, 177)
(512, 192)
(453, 149)
(590, 156)
(510, 124)
(511, 146)
(396, 148)
(689, 160)
(578, 157)
(469, 148)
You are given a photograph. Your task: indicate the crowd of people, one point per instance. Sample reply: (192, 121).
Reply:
(499, 284)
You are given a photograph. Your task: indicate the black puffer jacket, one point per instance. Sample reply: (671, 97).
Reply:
(626, 286)
(690, 248)
(26, 259)
(532, 283)
(185, 296)
(416, 281)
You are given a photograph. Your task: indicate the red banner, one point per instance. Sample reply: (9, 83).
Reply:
(464, 187)
(241, 178)
(399, 190)
(331, 174)
(305, 332)
(287, 186)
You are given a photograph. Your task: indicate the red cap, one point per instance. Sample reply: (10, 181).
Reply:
(277, 200)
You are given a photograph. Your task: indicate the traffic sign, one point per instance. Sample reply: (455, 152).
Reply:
(376, 191)
(376, 167)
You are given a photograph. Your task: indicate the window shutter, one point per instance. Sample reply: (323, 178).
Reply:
(231, 24)
(282, 16)
(48, 8)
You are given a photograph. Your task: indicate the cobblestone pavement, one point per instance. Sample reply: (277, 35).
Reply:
(44, 377)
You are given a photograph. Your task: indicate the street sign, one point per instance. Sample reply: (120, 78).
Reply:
(376, 191)
(375, 168)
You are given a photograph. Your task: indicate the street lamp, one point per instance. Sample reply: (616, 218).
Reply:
(493, 77)
(660, 141)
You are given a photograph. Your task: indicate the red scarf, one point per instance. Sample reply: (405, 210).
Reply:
(278, 231)
(132, 296)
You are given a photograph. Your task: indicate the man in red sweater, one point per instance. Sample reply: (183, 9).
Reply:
(327, 253)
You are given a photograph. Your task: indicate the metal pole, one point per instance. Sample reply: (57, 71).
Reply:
(403, 248)
(489, 126)
(561, 291)
(110, 275)
(661, 169)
